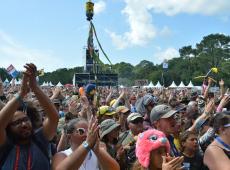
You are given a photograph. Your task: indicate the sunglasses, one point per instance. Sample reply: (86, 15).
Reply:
(136, 121)
(20, 121)
(80, 131)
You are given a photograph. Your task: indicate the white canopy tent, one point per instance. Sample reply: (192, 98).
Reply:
(51, 84)
(44, 84)
(190, 85)
(151, 85)
(173, 85)
(18, 82)
(181, 85)
(59, 84)
(6, 81)
(158, 85)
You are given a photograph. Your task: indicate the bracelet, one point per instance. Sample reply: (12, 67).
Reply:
(86, 146)
(206, 113)
(19, 99)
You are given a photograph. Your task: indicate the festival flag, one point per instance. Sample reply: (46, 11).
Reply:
(90, 42)
(41, 72)
(12, 71)
(165, 64)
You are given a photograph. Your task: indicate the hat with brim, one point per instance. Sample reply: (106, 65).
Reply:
(106, 110)
(169, 114)
(107, 126)
(134, 116)
(122, 109)
(161, 111)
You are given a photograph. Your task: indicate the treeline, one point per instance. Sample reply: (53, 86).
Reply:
(212, 51)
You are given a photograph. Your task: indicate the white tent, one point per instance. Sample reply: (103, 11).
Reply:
(12, 81)
(44, 84)
(150, 84)
(190, 85)
(51, 84)
(6, 81)
(181, 85)
(59, 84)
(18, 82)
(121, 86)
(158, 85)
(173, 85)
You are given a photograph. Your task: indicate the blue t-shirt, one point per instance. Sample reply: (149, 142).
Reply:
(39, 160)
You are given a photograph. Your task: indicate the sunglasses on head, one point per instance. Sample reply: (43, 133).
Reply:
(80, 131)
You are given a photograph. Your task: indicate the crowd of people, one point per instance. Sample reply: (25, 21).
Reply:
(110, 128)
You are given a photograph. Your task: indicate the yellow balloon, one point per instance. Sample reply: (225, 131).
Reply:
(214, 70)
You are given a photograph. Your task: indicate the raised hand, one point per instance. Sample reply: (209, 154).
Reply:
(92, 136)
(210, 106)
(221, 82)
(31, 71)
(172, 163)
(224, 101)
(24, 86)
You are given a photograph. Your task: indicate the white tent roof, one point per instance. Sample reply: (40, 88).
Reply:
(181, 85)
(12, 81)
(59, 84)
(173, 85)
(151, 84)
(18, 82)
(51, 84)
(158, 85)
(45, 84)
(190, 85)
(6, 81)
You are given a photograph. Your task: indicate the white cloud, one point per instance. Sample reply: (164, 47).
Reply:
(167, 54)
(165, 31)
(14, 52)
(139, 17)
(99, 7)
(204, 7)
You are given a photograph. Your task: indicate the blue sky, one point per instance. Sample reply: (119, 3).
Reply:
(53, 33)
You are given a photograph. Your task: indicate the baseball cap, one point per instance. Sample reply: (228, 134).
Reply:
(161, 111)
(106, 110)
(134, 116)
(89, 88)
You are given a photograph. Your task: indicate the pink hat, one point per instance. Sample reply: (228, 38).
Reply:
(147, 141)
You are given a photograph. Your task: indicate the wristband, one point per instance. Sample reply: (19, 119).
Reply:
(19, 99)
(86, 146)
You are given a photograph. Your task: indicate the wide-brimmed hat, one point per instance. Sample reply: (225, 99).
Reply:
(107, 126)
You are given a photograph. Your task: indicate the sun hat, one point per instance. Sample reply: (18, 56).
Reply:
(107, 126)
(148, 141)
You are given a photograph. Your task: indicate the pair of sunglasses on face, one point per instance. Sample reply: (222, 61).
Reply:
(80, 131)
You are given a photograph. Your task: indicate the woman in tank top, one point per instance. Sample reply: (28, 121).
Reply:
(84, 152)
